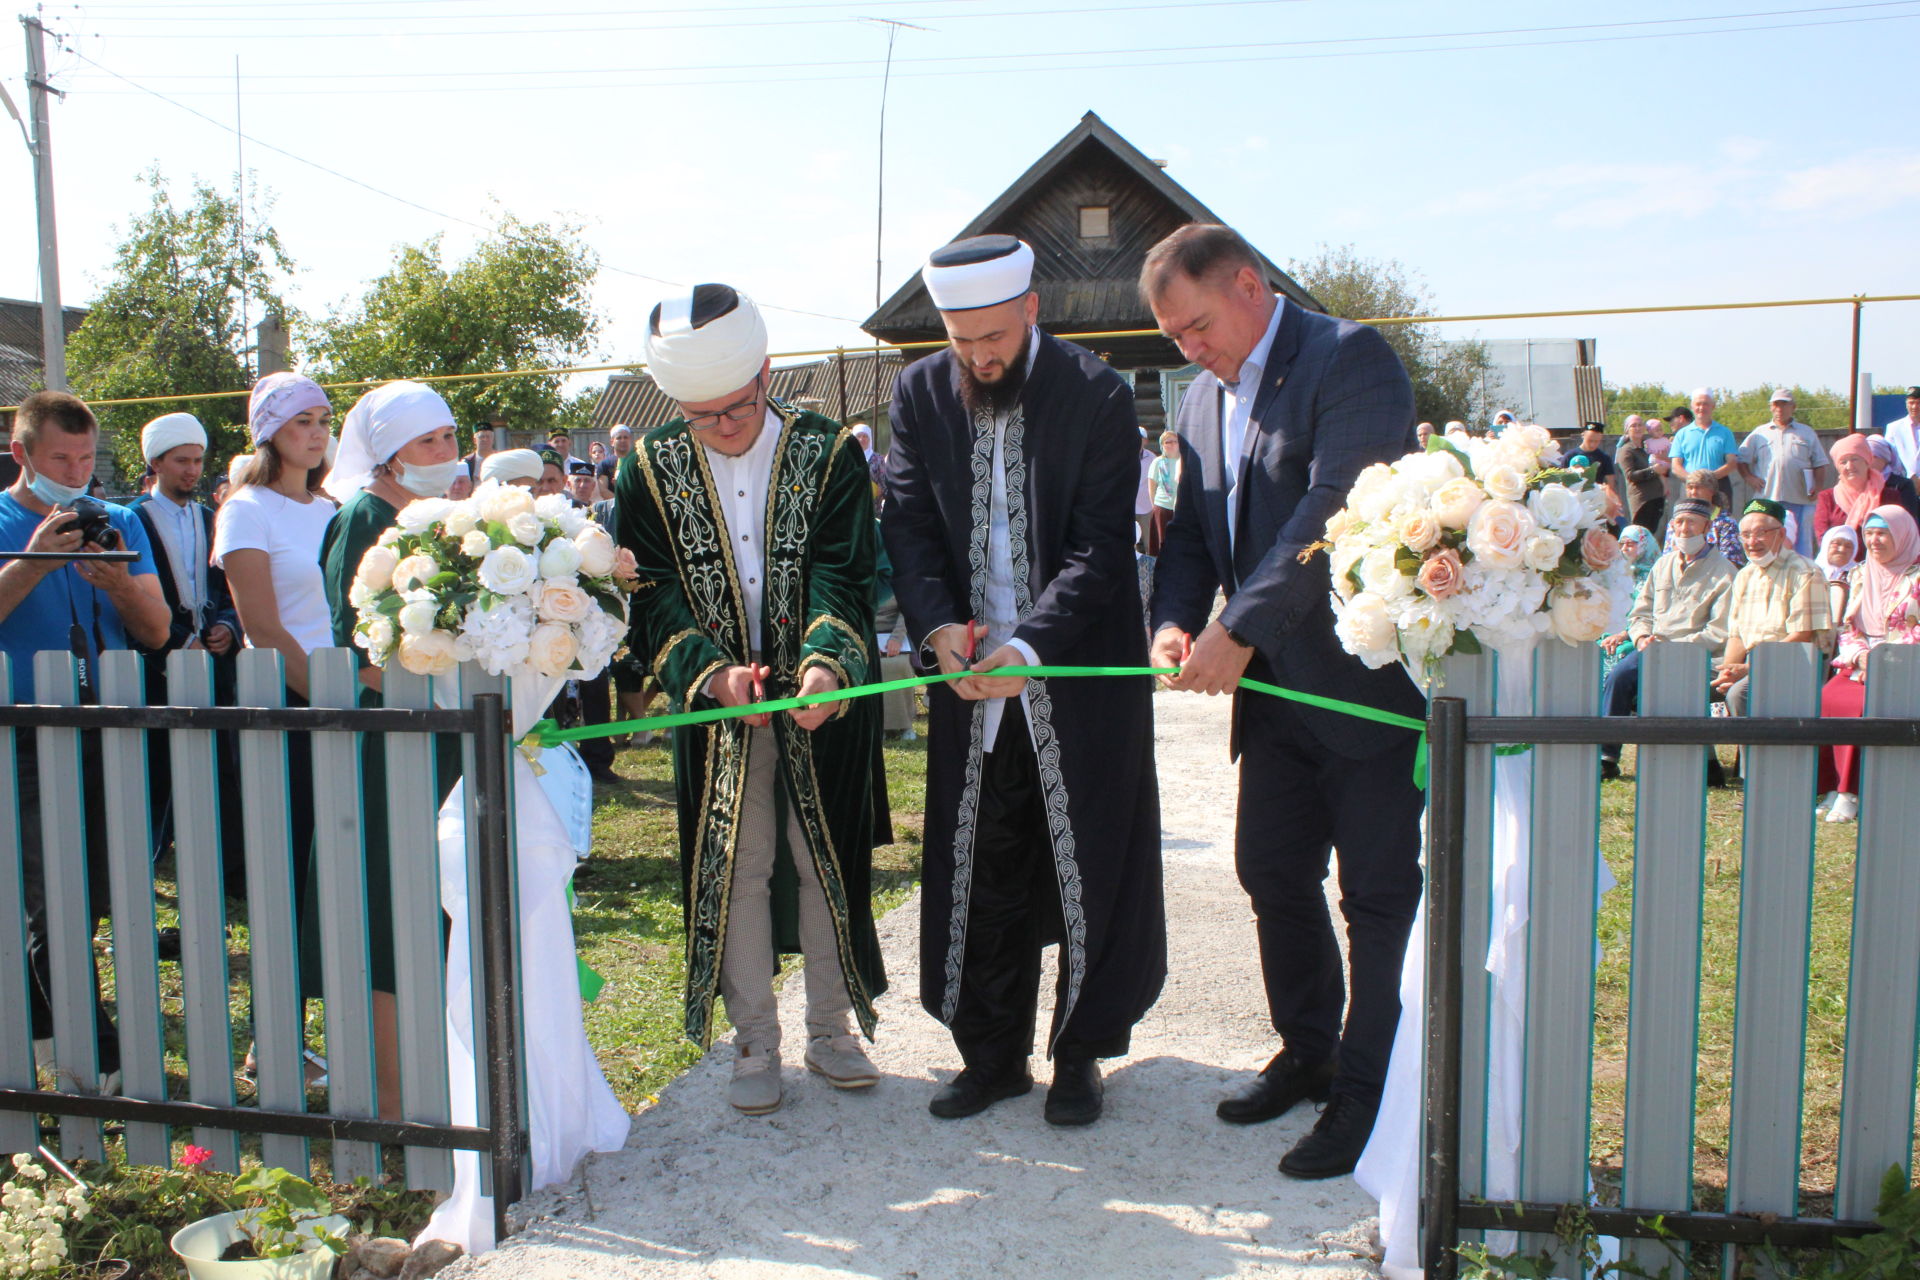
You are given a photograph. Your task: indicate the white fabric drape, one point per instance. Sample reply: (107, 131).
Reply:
(571, 1110)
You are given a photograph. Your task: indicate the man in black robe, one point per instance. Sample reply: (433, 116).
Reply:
(1009, 522)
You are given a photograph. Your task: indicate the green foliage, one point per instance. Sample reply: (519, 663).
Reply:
(1891, 1253)
(1446, 375)
(169, 319)
(521, 300)
(576, 411)
(1822, 408)
(282, 1218)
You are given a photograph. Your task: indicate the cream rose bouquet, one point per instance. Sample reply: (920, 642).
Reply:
(1473, 544)
(498, 578)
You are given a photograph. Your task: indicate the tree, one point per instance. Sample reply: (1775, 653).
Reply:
(1446, 375)
(522, 300)
(169, 320)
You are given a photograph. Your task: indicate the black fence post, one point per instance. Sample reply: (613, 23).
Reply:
(1446, 848)
(498, 968)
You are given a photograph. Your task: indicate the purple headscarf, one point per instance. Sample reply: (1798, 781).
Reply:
(279, 397)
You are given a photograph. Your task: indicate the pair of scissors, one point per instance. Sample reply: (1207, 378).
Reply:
(966, 660)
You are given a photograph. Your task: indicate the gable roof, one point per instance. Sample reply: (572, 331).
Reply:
(1081, 289)
(22, 355)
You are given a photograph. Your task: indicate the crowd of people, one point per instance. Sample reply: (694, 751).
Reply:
(780, 553)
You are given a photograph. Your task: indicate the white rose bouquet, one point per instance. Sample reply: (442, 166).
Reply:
(500, 578)
(1472, 544)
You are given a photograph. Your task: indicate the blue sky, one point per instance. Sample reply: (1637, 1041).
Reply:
(1637, 153)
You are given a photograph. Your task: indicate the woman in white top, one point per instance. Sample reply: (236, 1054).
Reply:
(270, 528)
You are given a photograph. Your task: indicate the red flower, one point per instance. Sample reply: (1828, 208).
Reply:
(193, 1157)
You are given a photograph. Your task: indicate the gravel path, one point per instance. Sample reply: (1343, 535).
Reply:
(870, 1185)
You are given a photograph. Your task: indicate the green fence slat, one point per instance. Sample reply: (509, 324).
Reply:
(69, 916)
(1883, 994)
(205, 978)
(18, 1131)
(136, 961)
(1776, 900)
(1560, 914)
(1664, 985)
(419, 956)
(340, 882)
(279, 1030)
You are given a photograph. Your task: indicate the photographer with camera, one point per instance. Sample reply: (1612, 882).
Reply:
(92, 605)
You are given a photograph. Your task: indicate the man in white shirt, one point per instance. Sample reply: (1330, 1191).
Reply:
(1904, 434)
(755, 588)
(1784, 462)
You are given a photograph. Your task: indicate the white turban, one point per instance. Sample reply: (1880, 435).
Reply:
(380, 424)
(705, 344)
(170, 431)
(981, 271)
(510, 464)
(279, 397)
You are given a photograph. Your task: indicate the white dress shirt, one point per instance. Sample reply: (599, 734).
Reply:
(1904, 435)
(742, 484)
(1236, 410)
(1002, 606)
(185, 538)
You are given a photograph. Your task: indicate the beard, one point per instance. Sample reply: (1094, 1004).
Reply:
(1000, 395)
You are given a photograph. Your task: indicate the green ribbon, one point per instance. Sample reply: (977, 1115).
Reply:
(591, 982)
(546, 733)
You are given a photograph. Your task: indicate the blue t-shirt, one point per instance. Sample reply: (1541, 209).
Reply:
(1704, 449)
(45, 619)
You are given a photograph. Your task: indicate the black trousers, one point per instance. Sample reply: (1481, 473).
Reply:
(596, 707)
(1647, 515)
(1299, 802)
(99, 896)
(1013, 911)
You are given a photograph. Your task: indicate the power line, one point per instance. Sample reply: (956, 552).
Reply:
(439, 34)
(400, 199)
(1080, 53)
(92, 10)
(571, 86)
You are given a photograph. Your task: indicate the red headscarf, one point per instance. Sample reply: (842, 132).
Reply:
(1880, 590)
(1858, 502)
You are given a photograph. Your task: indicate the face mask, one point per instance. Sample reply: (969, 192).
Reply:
(1693, 544)
(1762, 561)
(426, 480)
(52, 492)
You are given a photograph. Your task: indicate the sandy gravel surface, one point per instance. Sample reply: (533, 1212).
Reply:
(870, 1185)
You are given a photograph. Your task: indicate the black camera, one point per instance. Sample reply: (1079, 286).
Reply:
(94, 524)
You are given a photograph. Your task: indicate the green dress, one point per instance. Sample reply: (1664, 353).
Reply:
(689, 620)
(355, 527)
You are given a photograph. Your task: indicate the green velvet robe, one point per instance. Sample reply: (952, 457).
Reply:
(689, 617)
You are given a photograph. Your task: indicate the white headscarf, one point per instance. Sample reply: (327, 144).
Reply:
(510, 464)
(170, 431)
(381, 423)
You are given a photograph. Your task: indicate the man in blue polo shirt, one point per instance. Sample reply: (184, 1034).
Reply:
(83, 606)
(1706, 446)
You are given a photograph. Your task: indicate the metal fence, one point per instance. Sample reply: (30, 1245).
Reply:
(1658, 1175)
(272, 738)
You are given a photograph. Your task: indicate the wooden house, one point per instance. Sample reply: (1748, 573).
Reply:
(1091, 208)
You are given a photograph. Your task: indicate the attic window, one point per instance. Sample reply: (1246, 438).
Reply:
(1095, 221)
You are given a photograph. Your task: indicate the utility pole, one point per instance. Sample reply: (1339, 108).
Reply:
(53, 323)
(893, 26)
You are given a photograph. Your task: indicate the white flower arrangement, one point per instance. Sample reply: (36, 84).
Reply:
(500, 578)
(33, 1220)
(1475, 543)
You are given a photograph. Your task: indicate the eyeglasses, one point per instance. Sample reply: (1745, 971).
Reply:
(740, 411)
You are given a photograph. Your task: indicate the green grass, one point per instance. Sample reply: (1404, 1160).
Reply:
(1830, 934)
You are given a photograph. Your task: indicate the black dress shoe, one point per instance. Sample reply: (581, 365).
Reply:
(971, 1092)
(1275, 1091)
(1337, 1139)
(1076, 1095)
(1609, 769)
(167, 943)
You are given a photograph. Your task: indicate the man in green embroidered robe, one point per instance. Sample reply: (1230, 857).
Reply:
(751, 526)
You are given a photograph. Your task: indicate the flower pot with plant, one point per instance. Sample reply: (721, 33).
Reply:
(287, 1232)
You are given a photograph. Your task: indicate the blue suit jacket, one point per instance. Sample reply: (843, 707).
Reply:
(1333, 399)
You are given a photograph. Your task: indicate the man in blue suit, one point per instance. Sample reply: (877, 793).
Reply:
(1291, 406)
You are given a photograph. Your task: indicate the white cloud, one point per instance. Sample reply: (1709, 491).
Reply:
(1866, 183)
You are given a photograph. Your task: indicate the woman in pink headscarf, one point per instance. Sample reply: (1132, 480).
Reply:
(1883, 608)
(1864, 484)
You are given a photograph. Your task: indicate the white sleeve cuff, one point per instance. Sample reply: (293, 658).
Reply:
(1025, 649)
